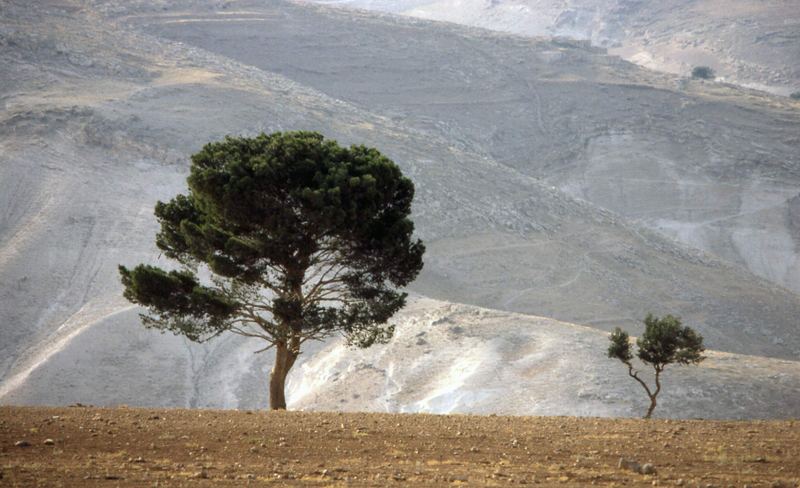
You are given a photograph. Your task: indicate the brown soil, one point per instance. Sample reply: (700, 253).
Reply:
(148, 447)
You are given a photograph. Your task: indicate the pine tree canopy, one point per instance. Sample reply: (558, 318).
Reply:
(286, 237)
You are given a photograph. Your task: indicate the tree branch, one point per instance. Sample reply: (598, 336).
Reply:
(270, 346)
(635, 375)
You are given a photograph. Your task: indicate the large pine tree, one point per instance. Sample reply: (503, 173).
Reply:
(286, 237)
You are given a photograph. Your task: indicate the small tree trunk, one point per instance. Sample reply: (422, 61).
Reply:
(655, 393)
(284, 360)
(652, 406)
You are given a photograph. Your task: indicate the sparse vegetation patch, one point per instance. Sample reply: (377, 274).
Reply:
(703, 73)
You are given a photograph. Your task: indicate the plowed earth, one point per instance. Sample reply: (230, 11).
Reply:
(82, 446)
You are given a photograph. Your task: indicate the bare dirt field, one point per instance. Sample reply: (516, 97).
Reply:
(82, 446)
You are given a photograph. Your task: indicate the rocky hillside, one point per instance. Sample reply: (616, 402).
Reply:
(713, 167)
(445, 358)
(515, 146)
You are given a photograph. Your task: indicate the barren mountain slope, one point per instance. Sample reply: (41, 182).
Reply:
(98, 122)
(712, 166)
(751, 43)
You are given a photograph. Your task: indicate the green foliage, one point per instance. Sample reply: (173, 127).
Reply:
(703, 73)
(620, 347)
(196, 310)
(665, 342)
(301, 237)
(795, 95)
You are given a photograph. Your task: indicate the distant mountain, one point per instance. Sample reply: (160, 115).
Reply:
(104, 101)
(755, 44)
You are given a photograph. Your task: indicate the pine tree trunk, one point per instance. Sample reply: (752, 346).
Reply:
(284, 360)
(286, 352)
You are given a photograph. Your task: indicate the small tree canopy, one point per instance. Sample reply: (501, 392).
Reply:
(665, 342)
(300, 238)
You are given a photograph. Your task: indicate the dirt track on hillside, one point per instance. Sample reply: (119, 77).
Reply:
(146, 447)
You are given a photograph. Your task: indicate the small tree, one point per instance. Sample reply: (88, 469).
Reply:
(795, 95)
(286, 238)
(664, 342)
(703, 73)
